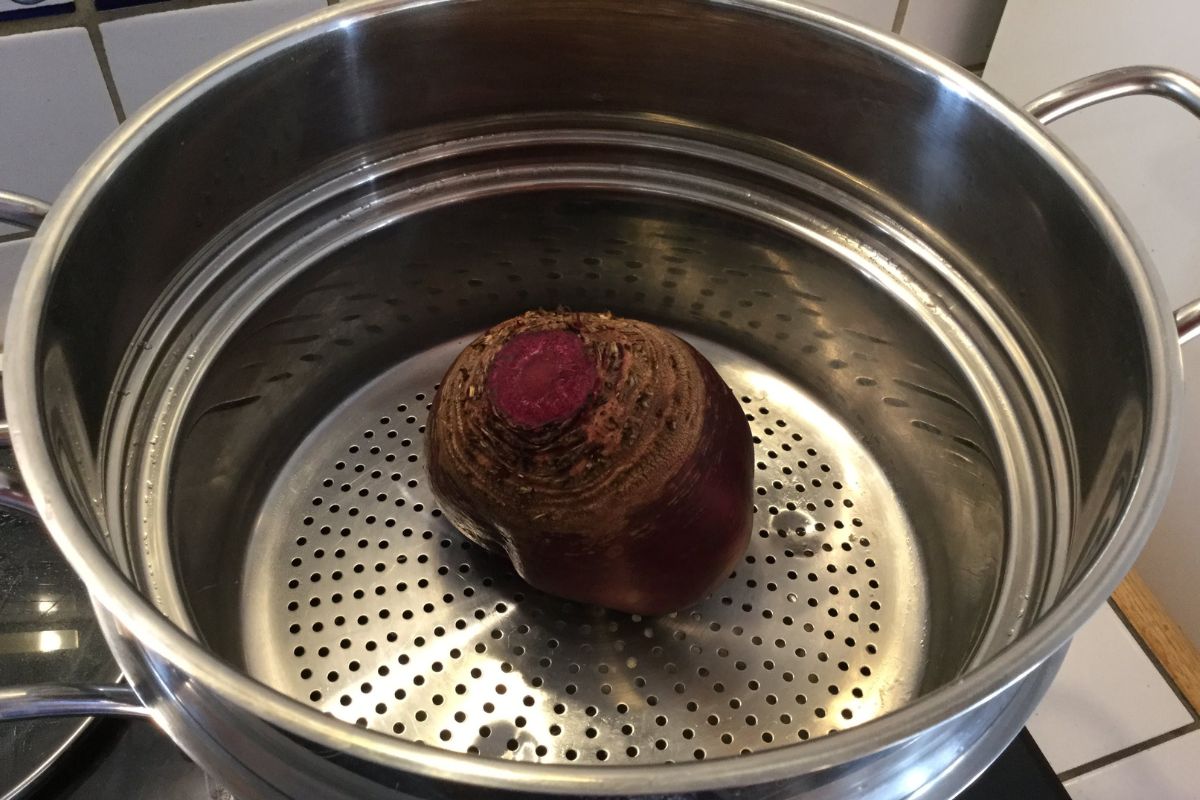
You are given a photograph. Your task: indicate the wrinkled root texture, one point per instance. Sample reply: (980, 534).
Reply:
(603, 456)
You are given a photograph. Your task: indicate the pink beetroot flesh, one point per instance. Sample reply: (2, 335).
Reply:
(541, 378)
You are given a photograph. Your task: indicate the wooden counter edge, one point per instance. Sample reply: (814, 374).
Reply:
(1175, 653)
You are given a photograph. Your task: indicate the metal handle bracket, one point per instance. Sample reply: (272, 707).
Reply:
(27, 212)
(19, 209)
(50, 700)
(1124, 82)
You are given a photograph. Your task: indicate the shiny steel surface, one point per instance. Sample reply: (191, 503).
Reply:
(385, 178)
(1124, 82)
(19, 209)
(45, 700)
(257, 760)
(418, 633)
(1111, 84)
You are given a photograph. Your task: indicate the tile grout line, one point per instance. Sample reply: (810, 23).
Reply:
(1162, 671)
(901, 13)
(1127, 752)
(93, 30)
(15, 237)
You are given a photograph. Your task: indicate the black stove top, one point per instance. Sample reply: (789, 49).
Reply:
(134, 761)
(1021, 772)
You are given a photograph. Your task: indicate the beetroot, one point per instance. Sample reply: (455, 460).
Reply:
(603, 456)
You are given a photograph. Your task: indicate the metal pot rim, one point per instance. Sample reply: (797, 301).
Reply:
(111, 588)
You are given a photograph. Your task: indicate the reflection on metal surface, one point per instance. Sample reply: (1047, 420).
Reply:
(45, 700)
(39, 641)
(114, 261)
(17, 209)
(46, 606)
(47, 633)
(358, 594)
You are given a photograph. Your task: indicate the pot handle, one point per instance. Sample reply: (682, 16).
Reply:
(49, 700)
(27, 212)
(19, 209)
(1145, 80)
(69, 700)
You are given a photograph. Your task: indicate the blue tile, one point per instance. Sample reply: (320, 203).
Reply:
(24, 9)
(108, 5)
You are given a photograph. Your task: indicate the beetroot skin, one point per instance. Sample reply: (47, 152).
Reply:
(603, 456)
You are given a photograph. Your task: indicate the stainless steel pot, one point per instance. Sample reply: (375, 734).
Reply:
(229, 328)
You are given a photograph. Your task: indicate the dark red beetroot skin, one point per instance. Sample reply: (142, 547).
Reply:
(605, 457)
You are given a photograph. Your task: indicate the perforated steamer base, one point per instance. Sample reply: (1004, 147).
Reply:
(360, 599)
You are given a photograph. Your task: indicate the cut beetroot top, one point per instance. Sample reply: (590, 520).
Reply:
(541, 377)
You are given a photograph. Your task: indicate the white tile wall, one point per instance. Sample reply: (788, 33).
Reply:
(876, 13)
(150, 52)
(1170, 771)
(1108, 696)
(1146, 152)
(960, 30)
(54, 110)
